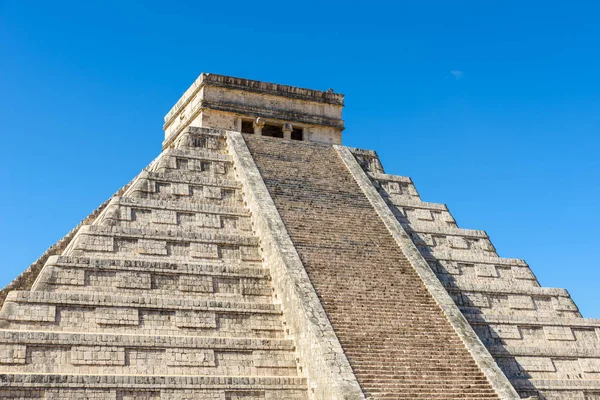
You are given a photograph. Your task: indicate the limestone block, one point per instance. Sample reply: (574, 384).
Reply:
(412, 190)
(209, 220)
(97, 355)
(212, 192)
(421, 214)
(81, 394)
(477, 300)
(244, 224)
(250, 253)
(190, 358)
(486, 270)
(567, 368)
(204, 250)
(219, 167)
(22, 312)
(521, 302)
(451, 267)
(422, 239)
(590, 364)
(457, 242)
(95, 243)
(133, 280)
(536, 364)
(447, 217)
(180, 189)
(200, 284)
(12, 354)
(66, 276)
(254, 287)
(563, 304)
(117, 316)
(22, 394)
(125, 213)
(151, 247)
(505, 331)
(249, 395)
(558, 333)
(273, 359)
(486, 245)
(289, 395)
(522, 273)
(393, 187)
(195, 319)
(167, 217)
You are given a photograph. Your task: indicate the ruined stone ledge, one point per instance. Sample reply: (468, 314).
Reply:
(575, 322)
(382, 177)
(586, 351)
(198, 154)
(420, 227)
(556, 384)
(477, 259)
(95, 300)
(206, 235)
(120, 340)
(156, 204)
(216, 268)
(506, 288)
(154, 382)
(190, 178)
(414, 202)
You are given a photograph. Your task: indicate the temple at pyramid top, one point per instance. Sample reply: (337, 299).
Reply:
(262, 108)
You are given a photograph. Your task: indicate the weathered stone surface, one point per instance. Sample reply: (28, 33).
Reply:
(283, 269)
(396, 337)
(166, 283)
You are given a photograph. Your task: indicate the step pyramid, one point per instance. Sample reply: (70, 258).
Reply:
(256, 258)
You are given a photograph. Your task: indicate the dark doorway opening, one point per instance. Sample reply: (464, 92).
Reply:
(272, 130)
(247, 126)
(297, 134)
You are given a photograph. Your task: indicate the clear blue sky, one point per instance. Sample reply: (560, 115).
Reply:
(492, 107)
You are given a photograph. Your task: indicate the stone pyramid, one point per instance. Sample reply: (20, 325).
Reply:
(256, 258)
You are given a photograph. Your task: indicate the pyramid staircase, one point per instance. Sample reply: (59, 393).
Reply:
(163, 296)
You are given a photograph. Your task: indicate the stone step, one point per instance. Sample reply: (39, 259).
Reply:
(188, 162)
(12, 337)
(453, 247)
(198, 154)
(562, 385)
(589, 350)
(483, 273)
(183, 206)
(143, 278)
(113, 387)
(191, 178)
(474, 258)
(578, 322)
(187, 245)
(505, 288)
(73, 353)
(190, 187)
(501, 311)
(431, 228)
(161, 315)
(161, 218)
(242, 269)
